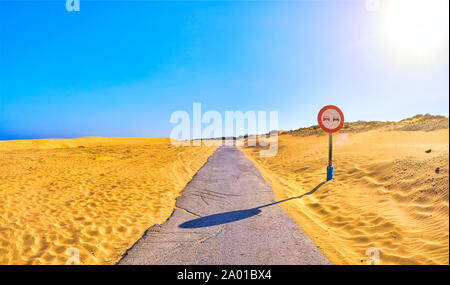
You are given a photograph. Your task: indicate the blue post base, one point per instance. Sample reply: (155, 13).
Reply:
(329, 173)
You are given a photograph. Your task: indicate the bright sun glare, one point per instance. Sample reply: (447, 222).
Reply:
(416, 27)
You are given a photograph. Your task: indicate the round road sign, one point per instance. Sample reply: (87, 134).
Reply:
(330, 118)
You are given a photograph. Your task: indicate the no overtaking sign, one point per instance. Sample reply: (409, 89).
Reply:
(331, 119)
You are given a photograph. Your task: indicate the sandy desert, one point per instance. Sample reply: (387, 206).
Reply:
(390, 189)
(98, 195)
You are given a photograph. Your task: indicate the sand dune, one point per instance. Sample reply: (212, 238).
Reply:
(388, 192)
(98, 195)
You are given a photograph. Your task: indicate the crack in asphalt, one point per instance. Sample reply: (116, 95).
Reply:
(187, 211)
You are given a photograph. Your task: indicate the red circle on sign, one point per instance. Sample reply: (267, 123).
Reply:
(320, 120)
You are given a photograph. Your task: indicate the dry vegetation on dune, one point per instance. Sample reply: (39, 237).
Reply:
(98, 195)
(425, 122)
(390, 191)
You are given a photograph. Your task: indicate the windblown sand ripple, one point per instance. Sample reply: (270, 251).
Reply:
(97, 195)
(388, 193)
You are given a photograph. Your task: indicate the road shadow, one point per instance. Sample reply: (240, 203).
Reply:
(233, 216)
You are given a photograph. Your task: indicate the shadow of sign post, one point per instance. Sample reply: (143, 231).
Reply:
(233, 216)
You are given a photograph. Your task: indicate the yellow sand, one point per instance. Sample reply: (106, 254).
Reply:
(386, 193)
(98, 195)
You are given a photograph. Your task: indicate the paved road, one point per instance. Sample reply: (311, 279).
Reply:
(225, 216)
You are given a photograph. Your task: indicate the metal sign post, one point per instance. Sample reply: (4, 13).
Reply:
(331, 119)
(330, 157)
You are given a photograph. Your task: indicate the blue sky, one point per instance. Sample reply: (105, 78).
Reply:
(121, 68)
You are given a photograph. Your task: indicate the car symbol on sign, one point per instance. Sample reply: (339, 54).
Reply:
(326, 118)
(335, 119)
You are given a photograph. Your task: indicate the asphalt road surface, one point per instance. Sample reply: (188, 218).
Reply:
(226, 215)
